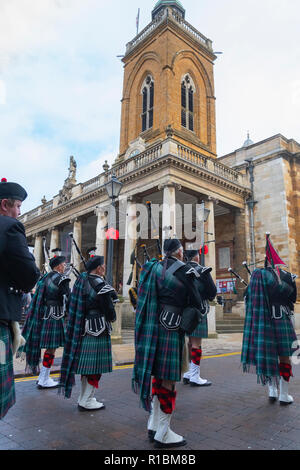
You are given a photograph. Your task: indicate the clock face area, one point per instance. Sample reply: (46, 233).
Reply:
(134, 153)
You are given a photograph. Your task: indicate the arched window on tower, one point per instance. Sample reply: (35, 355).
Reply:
(148, 103)
(187, 102)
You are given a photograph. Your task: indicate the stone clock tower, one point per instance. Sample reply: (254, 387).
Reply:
(168, 85)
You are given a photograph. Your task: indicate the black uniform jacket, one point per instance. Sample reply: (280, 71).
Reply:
(18, 271)
(189, 295)
(206, 285)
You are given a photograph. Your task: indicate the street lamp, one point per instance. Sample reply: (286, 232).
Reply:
(113, 188)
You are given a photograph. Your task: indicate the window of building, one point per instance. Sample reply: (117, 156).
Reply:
(148, 103)
(187, 102)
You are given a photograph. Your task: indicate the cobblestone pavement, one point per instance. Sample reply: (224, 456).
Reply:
(232, 414)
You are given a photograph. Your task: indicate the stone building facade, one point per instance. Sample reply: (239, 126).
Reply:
(168, 156)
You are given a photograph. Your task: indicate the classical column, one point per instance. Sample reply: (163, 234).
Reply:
(130, 244)
(240, 249)
(38, 251)
(54, 240)
(77, 234)
(210, 258)
(169, 211)
(101, 229)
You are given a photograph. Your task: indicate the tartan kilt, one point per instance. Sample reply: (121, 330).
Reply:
(168, 356)
(95, 355)
(285, 335)
(202, 330)
(7, 383)
(52, 334)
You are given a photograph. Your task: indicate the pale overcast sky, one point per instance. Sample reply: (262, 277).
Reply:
(61, 82)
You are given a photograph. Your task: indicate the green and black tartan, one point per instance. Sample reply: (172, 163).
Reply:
(168, 357)
(95, 355)
(7, 383)
(264, 339)
(148, 338)
(202, 329)
(52, 333)
(84, 355)
(39, 333)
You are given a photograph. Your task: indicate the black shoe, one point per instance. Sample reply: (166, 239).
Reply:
(285, 403)
(207, 384)
(186, 381)
(161, 445)
(151, 435)
(40, 387)
(82, 409)
(272, 399)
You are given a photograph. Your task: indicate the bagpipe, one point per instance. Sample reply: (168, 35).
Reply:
(46, 266)
(79, 253)
(146, 255)
(134, 261)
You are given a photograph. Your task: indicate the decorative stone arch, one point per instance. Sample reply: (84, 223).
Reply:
(132, 88)
(140, 63)
(187, 54)
(208, 86)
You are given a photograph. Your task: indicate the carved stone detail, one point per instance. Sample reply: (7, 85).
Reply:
(65, 194)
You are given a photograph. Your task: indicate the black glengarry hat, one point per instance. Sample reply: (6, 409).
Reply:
(171, 245)
(12, 191)
(57, 258)
(94, 262)
(190, 254)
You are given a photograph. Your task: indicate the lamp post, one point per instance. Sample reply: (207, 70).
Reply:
(204, 217)
(113, 188)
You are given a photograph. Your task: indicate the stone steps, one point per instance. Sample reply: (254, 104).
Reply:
(230, 324)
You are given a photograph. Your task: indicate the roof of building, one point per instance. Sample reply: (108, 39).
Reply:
(165, 3)
(248, 142)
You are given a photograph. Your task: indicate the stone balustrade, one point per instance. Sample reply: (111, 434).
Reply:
(169, 15)
(155, 153)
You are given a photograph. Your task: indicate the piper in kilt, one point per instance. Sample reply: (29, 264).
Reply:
(88, 344)
(18, 274)
(208, 292)
(165, 290)
(269, 338)
(44, 325)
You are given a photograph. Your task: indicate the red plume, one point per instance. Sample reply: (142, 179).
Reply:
(272, 255)
(4, 180)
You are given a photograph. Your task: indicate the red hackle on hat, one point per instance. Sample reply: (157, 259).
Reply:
(272, 257)
(3, 180)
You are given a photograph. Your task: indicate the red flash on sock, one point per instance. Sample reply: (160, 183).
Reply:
(196, 355)
(156, 384)
(48, 360)
(94, 380)
(167, 400)
(285, 371)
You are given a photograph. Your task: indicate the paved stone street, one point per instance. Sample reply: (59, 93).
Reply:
(232, 414)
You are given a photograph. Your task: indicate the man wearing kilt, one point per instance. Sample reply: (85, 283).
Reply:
(88, 344)
(208, 292)
(18, 274)
(44, 326)
(269, 338)
(165, 290)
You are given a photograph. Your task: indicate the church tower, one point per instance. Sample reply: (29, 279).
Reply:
(168, 85)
